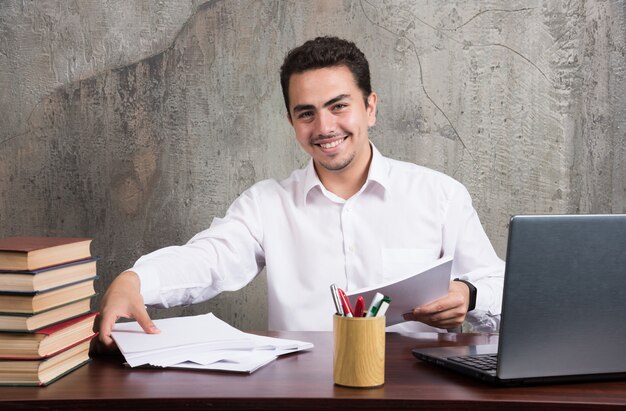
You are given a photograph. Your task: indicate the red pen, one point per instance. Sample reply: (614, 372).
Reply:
(345, 302)
(359, 306)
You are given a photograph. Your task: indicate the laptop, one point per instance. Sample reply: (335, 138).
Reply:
(564, 305)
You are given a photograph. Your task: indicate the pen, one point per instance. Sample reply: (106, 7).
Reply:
(371, 312)
(345, 302)
(335, 294)
(359, 306)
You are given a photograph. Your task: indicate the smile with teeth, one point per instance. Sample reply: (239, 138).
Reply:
(332, 143)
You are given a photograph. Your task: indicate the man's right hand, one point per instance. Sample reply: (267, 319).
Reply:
(123, 300)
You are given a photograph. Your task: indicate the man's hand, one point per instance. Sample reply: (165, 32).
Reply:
(446, 312)
(123, 299)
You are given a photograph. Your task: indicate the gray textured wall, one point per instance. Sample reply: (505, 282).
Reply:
(137, 122)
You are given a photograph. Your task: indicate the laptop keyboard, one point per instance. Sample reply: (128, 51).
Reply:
(487, 362)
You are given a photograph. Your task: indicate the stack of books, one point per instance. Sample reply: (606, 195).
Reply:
(46, 322)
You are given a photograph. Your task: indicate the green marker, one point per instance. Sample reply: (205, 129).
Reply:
(378, 298)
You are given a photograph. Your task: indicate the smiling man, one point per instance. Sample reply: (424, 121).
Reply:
(351, 217)
(331, 116)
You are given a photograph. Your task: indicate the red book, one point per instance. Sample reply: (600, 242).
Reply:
(48, 341)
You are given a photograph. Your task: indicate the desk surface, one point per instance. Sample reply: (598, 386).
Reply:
(304, 381)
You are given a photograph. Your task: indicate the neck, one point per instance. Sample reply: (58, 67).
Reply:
(347, 182)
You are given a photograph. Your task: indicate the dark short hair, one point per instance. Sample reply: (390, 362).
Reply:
(325, 52)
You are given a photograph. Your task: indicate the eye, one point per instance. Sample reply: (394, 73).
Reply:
(305, 115)
(339, 106)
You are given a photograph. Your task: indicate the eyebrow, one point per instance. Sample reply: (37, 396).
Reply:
(303, 107)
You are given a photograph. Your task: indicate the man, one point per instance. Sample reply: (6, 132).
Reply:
(351, 217)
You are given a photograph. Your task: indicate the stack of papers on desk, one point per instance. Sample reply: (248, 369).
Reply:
(200, 342)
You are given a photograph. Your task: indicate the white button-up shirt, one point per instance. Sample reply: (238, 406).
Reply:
(403, 218)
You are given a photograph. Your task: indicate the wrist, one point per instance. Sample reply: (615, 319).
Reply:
(129, 279)
(472, 294)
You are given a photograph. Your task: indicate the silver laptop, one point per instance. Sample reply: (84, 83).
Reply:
(564, 305)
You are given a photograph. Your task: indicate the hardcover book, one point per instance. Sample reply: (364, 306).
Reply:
(32, 253)
(44, 371)
(48, 341)
(47, 278)
(36, 302)
(33, 322)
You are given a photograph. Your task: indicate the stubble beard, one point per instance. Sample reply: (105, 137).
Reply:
(340, 165)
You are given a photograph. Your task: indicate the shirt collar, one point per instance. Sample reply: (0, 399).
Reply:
(378, 173)
(379, 169)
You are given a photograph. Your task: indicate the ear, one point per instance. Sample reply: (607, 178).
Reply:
(371, 109)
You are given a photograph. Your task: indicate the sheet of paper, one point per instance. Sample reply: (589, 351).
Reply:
(175, 332)
(204, 358)
(249, 366)
(413, 290)
(183, 353)
(200, 342)
(262, 342)
(236, 356)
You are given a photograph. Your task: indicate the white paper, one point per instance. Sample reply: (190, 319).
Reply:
(235, 356)
(182, 353)
(262, 342)
(252, 364)
(175, 332)
(205, 358)
(200, 342)
(409, 292)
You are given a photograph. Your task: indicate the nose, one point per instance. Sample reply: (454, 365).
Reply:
(326, 123)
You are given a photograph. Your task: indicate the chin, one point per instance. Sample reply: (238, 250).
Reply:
(338, 165)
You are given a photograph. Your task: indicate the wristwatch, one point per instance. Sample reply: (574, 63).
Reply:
(472, 294)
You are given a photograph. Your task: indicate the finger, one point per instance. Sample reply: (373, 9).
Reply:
(448, 316)
(106, 326)
(447, 323)
(428, 318)
(439, 305)
(429, 309)
(144, 320)
(450, 302)
(409, 317)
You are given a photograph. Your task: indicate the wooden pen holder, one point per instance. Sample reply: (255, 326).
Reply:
(359, 351)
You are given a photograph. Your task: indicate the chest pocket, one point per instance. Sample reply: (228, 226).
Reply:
(400, 262)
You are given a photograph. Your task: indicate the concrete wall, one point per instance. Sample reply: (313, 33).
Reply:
(137, 122)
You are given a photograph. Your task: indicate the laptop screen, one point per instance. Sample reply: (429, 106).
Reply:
(564, 296)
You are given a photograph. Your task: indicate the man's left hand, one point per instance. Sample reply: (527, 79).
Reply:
(446, 312)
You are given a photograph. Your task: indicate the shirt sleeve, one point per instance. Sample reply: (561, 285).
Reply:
(224, 257)
(475, 260)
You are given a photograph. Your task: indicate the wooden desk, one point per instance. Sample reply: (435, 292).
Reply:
(304, 382)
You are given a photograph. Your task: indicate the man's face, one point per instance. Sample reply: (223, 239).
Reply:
(328, 113)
